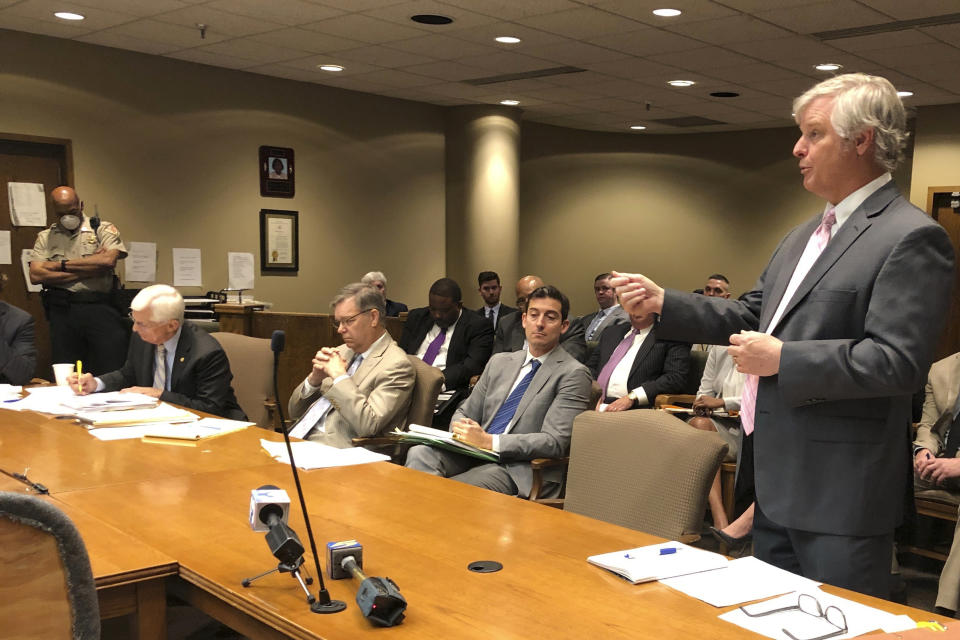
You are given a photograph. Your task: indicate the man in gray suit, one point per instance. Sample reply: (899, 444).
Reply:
(835, 337)
(610, 311)
(522, 408)
(363, 387)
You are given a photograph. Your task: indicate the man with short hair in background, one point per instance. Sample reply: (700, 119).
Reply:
(609, 313)
(492, 309)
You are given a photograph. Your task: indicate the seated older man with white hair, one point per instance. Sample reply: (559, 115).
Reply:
(170, 358)
(377, 280)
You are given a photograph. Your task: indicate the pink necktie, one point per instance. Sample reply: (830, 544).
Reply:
(604, 379)
(748, 398)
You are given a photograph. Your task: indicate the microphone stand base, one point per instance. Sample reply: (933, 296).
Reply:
(333, 606)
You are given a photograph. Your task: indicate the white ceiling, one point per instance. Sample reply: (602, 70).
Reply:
(761, 49)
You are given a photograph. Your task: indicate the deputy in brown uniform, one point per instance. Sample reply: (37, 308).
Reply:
(74, 261)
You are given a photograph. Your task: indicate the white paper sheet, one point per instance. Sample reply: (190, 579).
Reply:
(240, 268)
(187, 268)
(5, 255)
(25, 263)
(141, 262)
(658, 561)
(313, 455)
(28, 204)
(743, 580)
(279, 240)
(860, 618)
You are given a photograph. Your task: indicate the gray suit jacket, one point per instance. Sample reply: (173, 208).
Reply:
(510, 337)
(832, 439)
(372, 402)
(543, 423)
(617, 316)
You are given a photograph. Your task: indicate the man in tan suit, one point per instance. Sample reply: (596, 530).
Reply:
(935, 458)
(362, 388)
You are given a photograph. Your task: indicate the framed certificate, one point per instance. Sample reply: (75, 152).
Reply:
(279, 240)
(277, 176)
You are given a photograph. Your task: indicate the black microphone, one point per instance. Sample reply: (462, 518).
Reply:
(323, 602)
(278, 341)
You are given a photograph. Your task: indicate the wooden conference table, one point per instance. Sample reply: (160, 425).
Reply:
(190, 503)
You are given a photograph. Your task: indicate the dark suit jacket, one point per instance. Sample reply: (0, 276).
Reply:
(200, 378)
(469, 348)
(394, 308)
(18, 349)
(832, 440)
(504, 311)
(510, 337)
(661, 366)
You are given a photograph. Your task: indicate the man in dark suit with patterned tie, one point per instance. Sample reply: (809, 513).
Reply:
(835, 337)
(522, 408)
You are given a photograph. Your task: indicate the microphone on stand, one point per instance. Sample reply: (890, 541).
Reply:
(323, 602)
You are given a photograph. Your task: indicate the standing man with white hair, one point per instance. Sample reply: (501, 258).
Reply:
(170, 359)
(377, 280)
(835, 337)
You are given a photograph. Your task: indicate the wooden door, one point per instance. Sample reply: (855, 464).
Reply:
(938, 206)
(29, 159)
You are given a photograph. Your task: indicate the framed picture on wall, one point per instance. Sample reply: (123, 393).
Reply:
(279, 240)
(277, 175)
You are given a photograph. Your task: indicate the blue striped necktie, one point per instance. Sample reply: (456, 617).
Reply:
(509, 406)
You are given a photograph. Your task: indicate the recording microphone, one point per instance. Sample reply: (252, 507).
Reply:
(323, 603)
(379, 599)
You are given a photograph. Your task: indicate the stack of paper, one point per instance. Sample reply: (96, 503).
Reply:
(313, 455)
(110, 401)
(659, 561)
(742, 580)
(163, 412)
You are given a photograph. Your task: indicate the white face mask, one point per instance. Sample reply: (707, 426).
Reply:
(70, 221)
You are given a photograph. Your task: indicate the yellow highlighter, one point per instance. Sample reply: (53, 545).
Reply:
(79, 373)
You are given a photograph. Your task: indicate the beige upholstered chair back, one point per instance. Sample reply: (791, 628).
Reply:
(47, 590)
(643, 469)
(251, 362)
(425, 392)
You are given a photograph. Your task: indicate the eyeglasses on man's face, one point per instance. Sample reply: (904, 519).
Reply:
(348, 321)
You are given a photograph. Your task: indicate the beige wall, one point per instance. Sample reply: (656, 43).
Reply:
(168, 150)
(936, 152)
(676, 208)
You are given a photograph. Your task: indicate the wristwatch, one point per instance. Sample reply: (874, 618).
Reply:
(63, 265)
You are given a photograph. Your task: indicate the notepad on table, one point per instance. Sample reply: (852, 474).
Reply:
(200, 430)
(658, 561)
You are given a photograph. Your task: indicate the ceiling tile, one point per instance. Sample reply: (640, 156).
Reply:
(939, 74)
(583, 23)
(632, 68)
(217, 22)
(647, 42)
(949, 33)
(573, 53)
(350, 67)
(395, 78)
(905, 38)
(42, 27)
(354, 5)
(506, 62)
(824, 16)
(705, 59)
(485, 34)
(900, 10)
(364, 29)
(401, 13)
(734, 29)
(753, 74)
(440, 46)
(280, 71)
(173, 35)
(306, 40)
(288, 12)
(787, 48)
(384, 56)
(510, 9)
(916, 55)
(259, 52)
(642, 10)
(459, 90)
(144, 8)
(753, 6)
(43, 10)
(447, 71)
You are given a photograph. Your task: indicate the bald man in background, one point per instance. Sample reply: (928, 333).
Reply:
(510, 336)
(74, 260)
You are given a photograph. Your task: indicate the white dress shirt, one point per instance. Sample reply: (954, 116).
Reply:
(440, 362)
(617, 387)
(495, 310)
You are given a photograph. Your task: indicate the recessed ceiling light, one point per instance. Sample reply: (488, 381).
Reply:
(507, 39)
(637, 127)
(330, 67)
(667, 13)
(681, 83)
(430, 18)
(828, 66)
(510, 103)
(67, 15)
(904, 94)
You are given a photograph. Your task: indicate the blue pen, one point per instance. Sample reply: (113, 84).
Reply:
(14, 400)
(628, 556)
(665, 551)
